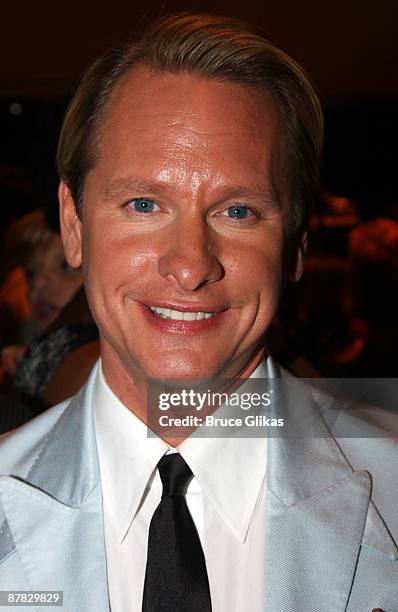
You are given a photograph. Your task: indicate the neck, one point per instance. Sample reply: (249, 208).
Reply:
(131, 389)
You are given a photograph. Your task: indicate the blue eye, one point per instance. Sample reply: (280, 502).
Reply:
(143, 205)
(238, 212)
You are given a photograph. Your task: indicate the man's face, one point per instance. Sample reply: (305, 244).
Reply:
(183, 227)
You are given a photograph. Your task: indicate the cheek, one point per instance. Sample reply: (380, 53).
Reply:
(257, 271)
(116, 265)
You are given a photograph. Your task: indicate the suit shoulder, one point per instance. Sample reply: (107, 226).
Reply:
(19, 447)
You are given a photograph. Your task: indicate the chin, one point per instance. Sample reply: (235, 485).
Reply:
(178, 368)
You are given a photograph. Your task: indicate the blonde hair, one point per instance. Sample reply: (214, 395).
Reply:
(212, 47)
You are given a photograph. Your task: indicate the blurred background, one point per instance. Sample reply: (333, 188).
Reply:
(340, 320)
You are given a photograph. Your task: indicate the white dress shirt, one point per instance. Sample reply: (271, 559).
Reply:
(226, 498)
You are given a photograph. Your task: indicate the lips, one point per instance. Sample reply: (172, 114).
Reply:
(182, 319)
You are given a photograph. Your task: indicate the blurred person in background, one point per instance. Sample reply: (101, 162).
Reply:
(59, 325)
(49, 282)
(19, 241)
(52, 282)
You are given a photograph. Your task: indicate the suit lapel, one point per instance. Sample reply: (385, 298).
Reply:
(59, 547)
(314, 547)
(319, 510)
(54, 515)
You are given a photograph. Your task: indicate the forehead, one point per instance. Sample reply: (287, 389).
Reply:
(186, 124)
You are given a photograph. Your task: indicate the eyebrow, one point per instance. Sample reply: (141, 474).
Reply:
(268, 194)
(125, 187)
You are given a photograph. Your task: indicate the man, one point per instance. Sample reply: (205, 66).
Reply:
(188, 161)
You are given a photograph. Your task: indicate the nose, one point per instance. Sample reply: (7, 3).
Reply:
(189, 259)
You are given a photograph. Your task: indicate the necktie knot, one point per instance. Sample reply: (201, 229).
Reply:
(175, 475)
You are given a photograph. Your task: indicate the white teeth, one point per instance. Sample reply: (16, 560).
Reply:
(177, 315)
(190, 316)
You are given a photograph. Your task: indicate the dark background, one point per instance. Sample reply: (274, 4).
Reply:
(347, 46)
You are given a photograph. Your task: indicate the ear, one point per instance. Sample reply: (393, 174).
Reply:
(71, 226)
(298, 262)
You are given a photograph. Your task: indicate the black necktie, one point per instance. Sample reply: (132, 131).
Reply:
(176, 577)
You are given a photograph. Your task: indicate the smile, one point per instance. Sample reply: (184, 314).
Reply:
(177, 315)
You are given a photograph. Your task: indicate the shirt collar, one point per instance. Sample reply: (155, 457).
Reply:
(229, 470)
(127, 457)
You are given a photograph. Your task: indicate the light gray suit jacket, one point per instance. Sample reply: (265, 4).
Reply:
(332, 510)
